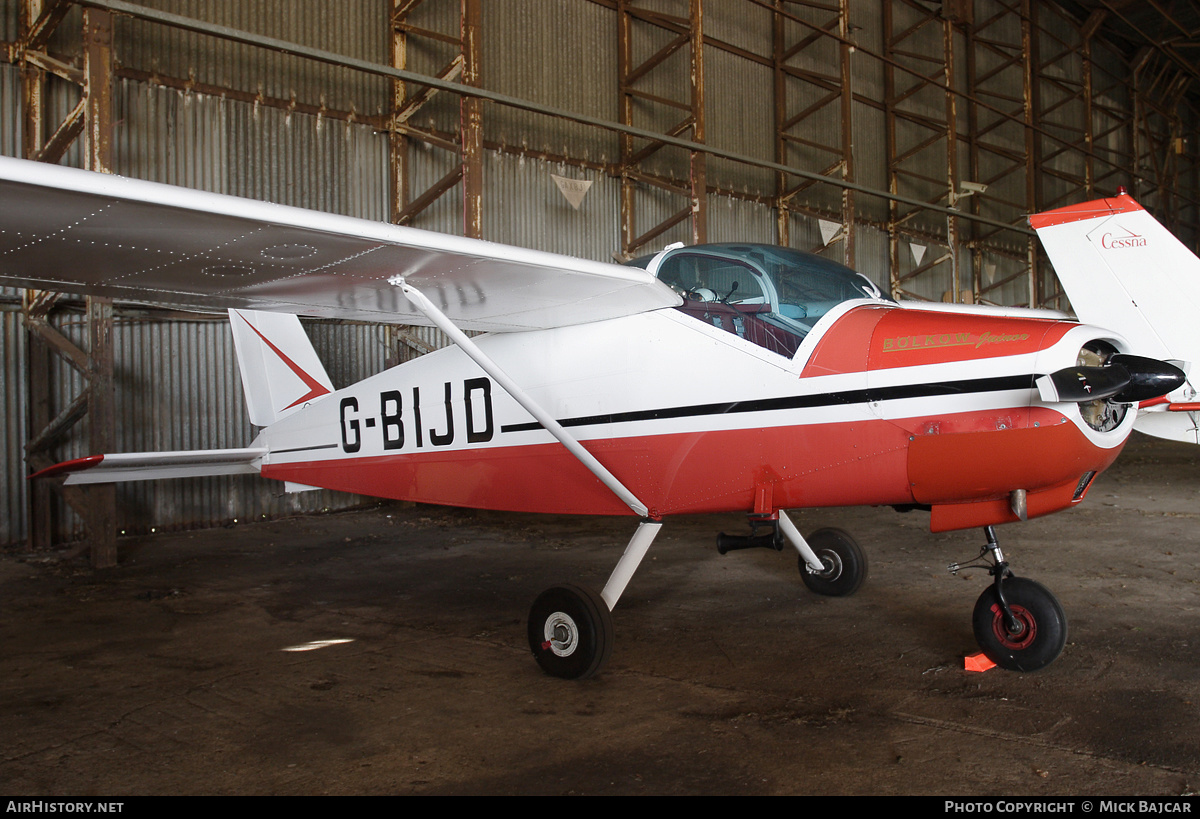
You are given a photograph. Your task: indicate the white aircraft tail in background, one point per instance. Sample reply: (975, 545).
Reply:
(1124, 270)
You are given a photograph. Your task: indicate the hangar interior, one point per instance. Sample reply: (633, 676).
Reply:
(908, 139)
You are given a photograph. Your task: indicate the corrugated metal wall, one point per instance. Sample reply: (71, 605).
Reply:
(177, 383)
(226, 146)
(352, 28)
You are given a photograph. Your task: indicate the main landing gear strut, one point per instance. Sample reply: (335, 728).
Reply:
(570, 627)
(1018, 623)
(831, 561)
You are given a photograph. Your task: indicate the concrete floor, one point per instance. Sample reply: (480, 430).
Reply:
(170, 674)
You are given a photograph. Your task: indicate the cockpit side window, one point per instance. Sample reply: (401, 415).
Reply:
(771, 296)
(711, 279)
(731, 295)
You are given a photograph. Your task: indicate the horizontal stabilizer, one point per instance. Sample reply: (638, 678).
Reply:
(147, 466)
(74, 231)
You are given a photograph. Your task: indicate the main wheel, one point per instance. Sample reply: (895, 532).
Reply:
(844, 561)
(570, 632)
(1041, 629)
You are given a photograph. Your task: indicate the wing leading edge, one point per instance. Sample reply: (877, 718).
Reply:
(75, 231)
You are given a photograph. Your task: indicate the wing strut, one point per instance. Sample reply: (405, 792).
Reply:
(490, 367)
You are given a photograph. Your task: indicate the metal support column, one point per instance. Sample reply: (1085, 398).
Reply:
(1033, 196)
(92, 119)
(466, 146)
(472, 121)
(814, 113)
(952, 179)
(666, 35)
(101, 514)
(916, 39)
(845, 52)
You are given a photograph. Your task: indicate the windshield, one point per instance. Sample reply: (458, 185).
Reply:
(769, 295)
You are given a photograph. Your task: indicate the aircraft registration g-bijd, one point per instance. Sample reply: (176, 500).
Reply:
(719, 378)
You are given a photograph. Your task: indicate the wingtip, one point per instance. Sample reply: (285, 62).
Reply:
(1109, 206)
(67, 467)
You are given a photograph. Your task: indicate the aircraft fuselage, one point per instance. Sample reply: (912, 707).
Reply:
(881, 404)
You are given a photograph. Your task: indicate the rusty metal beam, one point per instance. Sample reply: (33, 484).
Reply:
(688, 36)
(98, 89)
(409, 106)
(698, 165)
(398, 192)
(53, 66)
(845, 55)
(101, 510)
(40, 19)
(802, 103)
(472, 120)
(1033, 158)
(91, 119)
(432, 194)
(63, 137)
(467, 145)
(995, 38)
(949, 54)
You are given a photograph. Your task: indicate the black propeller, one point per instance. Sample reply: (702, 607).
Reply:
(1127, 379)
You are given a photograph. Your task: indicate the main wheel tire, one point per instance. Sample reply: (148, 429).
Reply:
(844, 561)
(1042, 626)
(570, 632)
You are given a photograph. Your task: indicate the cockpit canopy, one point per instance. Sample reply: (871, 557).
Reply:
(771, 296)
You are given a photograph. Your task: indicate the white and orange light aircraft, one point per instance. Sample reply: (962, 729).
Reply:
(715, 378)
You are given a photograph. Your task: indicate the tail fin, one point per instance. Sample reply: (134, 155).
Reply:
(280, 369)
(1124, 271)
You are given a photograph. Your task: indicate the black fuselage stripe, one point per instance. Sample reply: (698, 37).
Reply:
(307, 448)
(790, 402)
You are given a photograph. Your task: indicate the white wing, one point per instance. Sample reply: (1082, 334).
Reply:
(68, 230)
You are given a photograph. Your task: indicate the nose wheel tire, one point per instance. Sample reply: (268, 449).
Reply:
(570, 632)
(1041, 626)
(844, 561)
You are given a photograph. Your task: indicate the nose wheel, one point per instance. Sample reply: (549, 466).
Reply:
(1018, 623)
(1032, 637)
